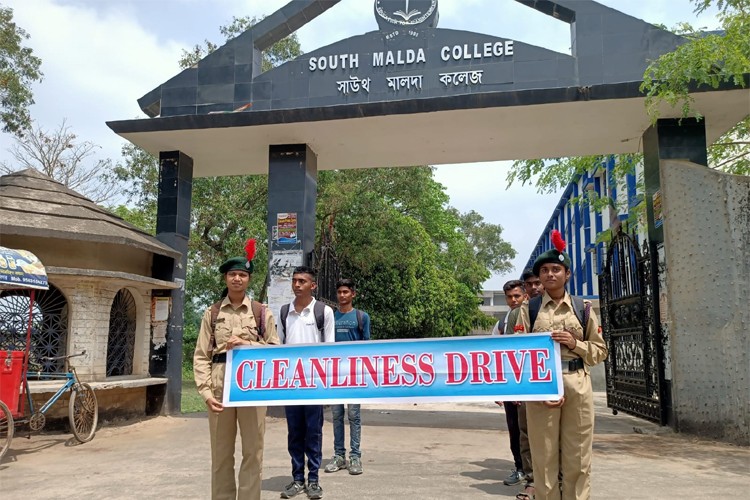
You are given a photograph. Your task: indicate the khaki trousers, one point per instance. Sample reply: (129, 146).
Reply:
(223, 430)
(563, 438)
(528, 467)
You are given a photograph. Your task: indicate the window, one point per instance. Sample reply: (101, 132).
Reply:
(49, 326)
(121, 339)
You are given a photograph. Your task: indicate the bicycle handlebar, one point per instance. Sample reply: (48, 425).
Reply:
(52, 358)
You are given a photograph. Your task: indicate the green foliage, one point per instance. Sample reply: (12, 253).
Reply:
(419, 264)
(706, 59)
(19, 68)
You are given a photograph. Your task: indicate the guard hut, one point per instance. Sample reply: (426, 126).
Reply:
(407, 93)
(102, 297)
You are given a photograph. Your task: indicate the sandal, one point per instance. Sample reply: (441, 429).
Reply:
(527, 496)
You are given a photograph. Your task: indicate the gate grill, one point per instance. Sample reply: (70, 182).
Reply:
(634, 368)
(327, 267)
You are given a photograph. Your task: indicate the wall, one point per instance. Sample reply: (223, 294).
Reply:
(89, 303)
(707, 241)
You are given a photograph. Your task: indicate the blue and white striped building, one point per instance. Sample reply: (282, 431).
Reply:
(580, 224)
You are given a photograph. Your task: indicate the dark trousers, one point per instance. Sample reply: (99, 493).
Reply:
(511, 417)
(305, 437)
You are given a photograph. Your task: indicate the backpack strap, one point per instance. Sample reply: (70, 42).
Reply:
(360, 323)
(215, 308)
(582, 310)
(534, 305)
(319, 309)
(259, 311)
(282, 317)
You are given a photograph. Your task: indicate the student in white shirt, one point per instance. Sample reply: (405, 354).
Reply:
(305, 422)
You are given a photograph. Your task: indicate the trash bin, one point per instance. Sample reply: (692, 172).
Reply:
(11, 369)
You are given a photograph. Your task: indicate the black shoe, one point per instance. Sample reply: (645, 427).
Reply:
(314, 491)
(293, 489)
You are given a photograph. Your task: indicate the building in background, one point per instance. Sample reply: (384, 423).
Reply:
(581, 225)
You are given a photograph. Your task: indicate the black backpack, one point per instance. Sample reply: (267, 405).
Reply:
(581, 309)
(319, 311)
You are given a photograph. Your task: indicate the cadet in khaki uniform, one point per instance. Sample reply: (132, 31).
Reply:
(561, 432)
(235, 326)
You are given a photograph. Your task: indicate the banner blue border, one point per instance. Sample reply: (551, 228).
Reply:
(401, 371)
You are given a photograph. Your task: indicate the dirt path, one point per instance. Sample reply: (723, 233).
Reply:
(435, 451)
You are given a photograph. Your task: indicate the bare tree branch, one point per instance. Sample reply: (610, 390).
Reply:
(58, 155)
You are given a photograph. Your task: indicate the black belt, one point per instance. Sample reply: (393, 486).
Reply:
(573, 364)
(219, 358)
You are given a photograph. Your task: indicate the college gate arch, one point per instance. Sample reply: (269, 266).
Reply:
(462, 97)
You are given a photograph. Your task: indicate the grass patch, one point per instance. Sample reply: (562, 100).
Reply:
(191, 401)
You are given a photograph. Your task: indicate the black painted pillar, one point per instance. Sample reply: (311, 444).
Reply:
(669, 139)
(173, 229)
(292, 195)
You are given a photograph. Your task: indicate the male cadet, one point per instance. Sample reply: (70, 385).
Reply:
(305, 321)
(533, 284)
(534, 288)
(351, 325)
(515, 294)
(562, 432)
(232, 322)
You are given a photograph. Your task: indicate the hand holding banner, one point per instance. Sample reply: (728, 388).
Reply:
(493, 368)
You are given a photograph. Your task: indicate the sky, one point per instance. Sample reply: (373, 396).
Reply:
(100, 56)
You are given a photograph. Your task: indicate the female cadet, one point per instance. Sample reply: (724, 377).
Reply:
(231, 323)
(561, 432)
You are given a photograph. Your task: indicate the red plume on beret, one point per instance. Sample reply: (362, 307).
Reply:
(557, 241)
(250, 249)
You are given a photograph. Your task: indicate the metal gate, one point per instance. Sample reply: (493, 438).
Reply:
(630, 320)
(326, 263)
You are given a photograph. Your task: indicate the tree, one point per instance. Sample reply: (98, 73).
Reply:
(59, 155)
(704, 60)
(418, 262)
(19, 68)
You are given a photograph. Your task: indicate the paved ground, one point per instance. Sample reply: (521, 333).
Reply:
(433, 451)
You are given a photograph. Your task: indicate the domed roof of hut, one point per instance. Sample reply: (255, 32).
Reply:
(59, 224)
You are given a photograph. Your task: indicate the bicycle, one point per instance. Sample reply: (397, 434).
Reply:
(83, 409)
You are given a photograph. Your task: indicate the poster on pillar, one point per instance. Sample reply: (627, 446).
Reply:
(280, 270)
(286, 224)
(490, 368)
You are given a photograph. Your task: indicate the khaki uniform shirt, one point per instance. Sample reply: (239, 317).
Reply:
(209, 377)
(590, 345)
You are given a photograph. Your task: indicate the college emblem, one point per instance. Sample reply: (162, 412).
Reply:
(416, 14)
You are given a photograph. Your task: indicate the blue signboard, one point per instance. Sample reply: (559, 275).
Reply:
(21, 269)
(490, 368)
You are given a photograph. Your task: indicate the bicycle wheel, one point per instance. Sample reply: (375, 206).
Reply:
(83, 412)
(6, 429)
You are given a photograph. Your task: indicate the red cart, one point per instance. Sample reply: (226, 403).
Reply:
(21, 270)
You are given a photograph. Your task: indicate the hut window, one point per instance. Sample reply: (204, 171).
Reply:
(121, 339)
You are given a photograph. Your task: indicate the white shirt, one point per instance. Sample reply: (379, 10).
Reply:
(301, 327)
